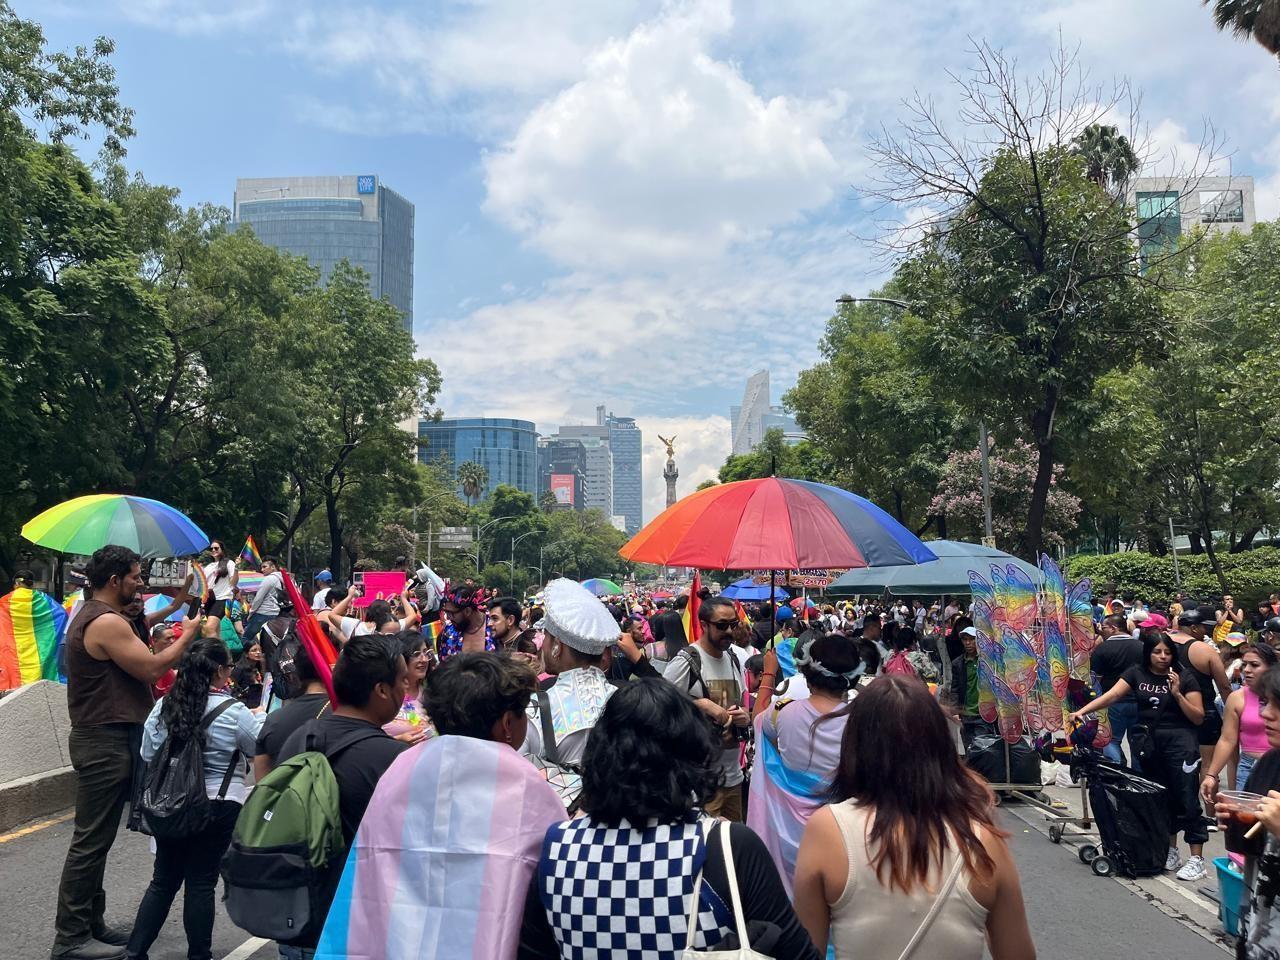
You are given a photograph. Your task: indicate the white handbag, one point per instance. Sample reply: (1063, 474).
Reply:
(744, 951)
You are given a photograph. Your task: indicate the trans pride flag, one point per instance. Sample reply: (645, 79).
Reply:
(782, 801)
(444, 856)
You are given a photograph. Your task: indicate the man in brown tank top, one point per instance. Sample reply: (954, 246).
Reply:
(109, 676)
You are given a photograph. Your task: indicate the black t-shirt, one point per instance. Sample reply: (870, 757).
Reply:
(280, 725)
(1265, 775)
(772, 924)
(1156, 706)
(357, 768)
(1113, 657)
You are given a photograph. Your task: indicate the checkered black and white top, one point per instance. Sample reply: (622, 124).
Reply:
(622, 893)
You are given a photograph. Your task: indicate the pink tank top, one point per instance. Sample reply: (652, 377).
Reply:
(1253, 732)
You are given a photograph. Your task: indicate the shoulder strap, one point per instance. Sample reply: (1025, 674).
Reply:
(549, 746)
(695, 669)
(938, 901)
(215, 713)
(350, 740)
(691, 926)
(740, 920)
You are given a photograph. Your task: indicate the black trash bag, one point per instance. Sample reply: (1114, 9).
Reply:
(1133, 820)
(986, 757)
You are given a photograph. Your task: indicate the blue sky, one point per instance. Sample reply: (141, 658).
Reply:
(634, 203)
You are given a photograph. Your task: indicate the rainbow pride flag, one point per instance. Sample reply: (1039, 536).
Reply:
(33, 627)
(468, 812)
(199, 581)
(692, 625)
(250, 554)
(432, 632)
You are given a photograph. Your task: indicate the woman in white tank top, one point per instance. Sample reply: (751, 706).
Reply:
(905, 861)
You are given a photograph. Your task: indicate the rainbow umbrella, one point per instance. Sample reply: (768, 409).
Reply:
(602, 588)
(82, 525)
(775, 524)
(32, 629)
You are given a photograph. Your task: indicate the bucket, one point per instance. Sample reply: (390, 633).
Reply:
(1230, 895)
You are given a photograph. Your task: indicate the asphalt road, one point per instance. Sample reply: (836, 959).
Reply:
(1073, 913)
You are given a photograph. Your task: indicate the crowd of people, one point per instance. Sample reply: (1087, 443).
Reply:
(609, 782)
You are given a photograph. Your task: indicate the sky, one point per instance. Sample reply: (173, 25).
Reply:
(637, 204)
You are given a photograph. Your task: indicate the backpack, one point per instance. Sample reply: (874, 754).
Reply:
(564, 777)
(899, 664)
(174, 803)
(287, 839)
(280, 651)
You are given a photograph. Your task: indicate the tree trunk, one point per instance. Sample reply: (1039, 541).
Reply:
(1033, 534)
(1214, 562)
(335, 536)
(1246, 540)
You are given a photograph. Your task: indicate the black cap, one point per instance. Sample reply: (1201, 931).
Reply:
(1192, 616)
(1273, 625)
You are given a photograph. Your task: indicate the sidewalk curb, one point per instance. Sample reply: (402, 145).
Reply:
(30, 798)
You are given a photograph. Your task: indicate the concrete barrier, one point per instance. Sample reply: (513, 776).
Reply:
(36, 777)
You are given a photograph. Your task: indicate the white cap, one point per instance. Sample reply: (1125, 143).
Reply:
(969, 632)
(575, 617)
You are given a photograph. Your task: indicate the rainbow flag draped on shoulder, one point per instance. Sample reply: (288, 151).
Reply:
(444, 856)
(33, 627)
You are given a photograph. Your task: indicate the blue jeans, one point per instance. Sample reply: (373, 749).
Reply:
(252, 625)
(1122, 715)
(1243, 769)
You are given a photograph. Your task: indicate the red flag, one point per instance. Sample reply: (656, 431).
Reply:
(692, 625)
(313, 637)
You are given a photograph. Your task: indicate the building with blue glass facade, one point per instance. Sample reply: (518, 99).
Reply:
(507, 449)
(329, 219)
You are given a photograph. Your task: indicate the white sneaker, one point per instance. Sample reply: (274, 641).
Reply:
(1174, 860)
(1193, 870)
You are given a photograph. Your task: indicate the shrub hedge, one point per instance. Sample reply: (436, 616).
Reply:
(1251, 575)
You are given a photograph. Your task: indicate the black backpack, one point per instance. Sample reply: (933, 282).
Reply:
(174, 803)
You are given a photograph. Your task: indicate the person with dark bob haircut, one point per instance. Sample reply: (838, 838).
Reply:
(1171, 707)
(481, 695)
(651, 763)
(908, 826)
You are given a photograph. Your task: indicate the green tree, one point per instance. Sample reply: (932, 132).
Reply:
(885, 424)
(775, 456)
(1109, 158)
(1257, 20)
(1028, 281)
(474, 479)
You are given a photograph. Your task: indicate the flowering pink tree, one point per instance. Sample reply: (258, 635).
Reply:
(1013, 471)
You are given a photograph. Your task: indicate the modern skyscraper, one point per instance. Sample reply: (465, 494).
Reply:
(625, 443)
(562, 472)
(1168, 207)
(598, 490)
(329, 219)
(755, 417)
(507, 449)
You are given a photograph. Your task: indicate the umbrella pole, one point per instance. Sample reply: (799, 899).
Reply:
(773, 605)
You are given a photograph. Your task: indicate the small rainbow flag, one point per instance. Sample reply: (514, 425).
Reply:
(33, 626)
(200, 581)
(432, 632)
(692, 625)
(249, 553)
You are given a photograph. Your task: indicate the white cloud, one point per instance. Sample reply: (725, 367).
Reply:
(198, 16)
(662, 154)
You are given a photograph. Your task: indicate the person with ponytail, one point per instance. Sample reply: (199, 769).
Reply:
(798, 748)
(204, 673)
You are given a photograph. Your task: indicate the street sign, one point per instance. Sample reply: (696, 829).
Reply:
(455, 532)
(168, 572)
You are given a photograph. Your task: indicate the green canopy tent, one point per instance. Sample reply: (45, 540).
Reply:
(948, 575)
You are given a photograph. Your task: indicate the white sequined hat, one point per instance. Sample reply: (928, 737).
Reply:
(574, 616)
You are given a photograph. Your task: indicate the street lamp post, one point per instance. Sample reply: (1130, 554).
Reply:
(541, 550)
(481, 528)
(514, 541)
(848, 301)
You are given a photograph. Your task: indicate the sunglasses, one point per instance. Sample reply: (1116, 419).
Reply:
(723, 624)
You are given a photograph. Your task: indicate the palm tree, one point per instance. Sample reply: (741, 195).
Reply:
(474, 479)
(1258, 20)
(1108, 155)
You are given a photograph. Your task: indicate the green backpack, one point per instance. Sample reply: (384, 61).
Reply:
(286, 843)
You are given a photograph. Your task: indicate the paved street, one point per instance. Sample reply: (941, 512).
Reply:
(1073, 913)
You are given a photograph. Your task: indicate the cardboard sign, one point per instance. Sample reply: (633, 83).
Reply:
(379, 585)
(798, 579)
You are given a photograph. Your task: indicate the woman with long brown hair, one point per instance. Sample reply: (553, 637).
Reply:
(906, 859)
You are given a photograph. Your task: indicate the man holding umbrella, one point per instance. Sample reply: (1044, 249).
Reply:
(110, 672)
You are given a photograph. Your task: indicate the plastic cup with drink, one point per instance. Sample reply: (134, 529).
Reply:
(1238, 810)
